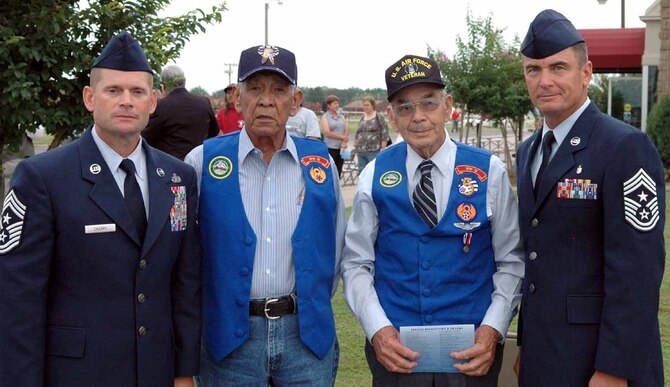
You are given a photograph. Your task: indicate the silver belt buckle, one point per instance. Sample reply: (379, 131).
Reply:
(266, 309)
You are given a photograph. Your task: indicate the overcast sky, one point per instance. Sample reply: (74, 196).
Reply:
(350, 43)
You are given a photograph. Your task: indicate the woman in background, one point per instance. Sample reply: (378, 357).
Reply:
(335, 131)
(372, 134)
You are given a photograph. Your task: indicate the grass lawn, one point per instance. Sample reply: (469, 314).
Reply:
(353, 369)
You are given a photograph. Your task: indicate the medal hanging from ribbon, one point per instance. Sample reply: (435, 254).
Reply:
(467, 238)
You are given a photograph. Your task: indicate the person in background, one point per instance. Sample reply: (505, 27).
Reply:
(455, 118)
(268, 281)
(335, 130)
(182, 120)
(229, 118)
(304, 124)
(592, 212)
(433, 239)
(99, 256)
(372, 134)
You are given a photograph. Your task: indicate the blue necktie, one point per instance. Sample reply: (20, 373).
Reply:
(424, 195)
(133, 197)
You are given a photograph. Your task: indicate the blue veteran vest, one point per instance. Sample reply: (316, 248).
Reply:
(229, 245)
(442, 275)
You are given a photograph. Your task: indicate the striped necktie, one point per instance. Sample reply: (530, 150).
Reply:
(424, 195)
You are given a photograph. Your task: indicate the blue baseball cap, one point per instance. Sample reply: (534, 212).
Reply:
(267, 58)
(548, 34)
(123, 53)
(410, 70)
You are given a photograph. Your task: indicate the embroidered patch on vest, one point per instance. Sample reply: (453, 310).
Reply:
(317, 174)
(640, 201)
(468, 186)
(466, 211)
(390, 179)
(461, 169)
(220, 167)
(178, 211)
(11, 222)
(315, 159)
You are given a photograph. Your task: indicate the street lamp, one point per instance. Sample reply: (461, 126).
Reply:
(623, 11)
(267, 6)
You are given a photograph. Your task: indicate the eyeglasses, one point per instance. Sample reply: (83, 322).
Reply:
(408, 109)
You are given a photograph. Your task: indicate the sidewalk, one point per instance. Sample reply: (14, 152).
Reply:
(348, 193)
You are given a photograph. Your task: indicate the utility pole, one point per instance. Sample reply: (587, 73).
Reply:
(229, 71)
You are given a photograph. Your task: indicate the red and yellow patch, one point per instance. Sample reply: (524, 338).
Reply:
(315, 159)
(466, 212)
(461, 169)
(318, 175)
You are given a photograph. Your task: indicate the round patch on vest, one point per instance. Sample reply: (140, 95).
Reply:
(220, 167)
(317, 174)
(390, 179)
(466, 212)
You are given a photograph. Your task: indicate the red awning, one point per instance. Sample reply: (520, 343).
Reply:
(615, 50)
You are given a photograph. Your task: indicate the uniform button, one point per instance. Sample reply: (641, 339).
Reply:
(427, 292)
(244, 272)
(239, 333)
(143, 264)
(532, 256)
(429, 318)
(534, 222)
(425, 265)
(239, 302)
(531, 288)
(141, 298)
(142, 331)
(424, 239)
(248, 240)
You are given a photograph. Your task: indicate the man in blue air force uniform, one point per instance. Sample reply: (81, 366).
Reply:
(272, 221)
(433, 239)
(592, 211)
(99, 267)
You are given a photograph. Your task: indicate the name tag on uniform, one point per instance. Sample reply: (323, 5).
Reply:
(99, 228)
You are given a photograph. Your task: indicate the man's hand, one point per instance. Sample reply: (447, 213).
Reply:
(184, 381)
(481, 355)
(394, 356)
(601, 379)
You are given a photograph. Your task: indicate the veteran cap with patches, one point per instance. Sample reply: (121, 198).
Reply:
(410, 70)
(548, 34)
(267, 58)
(123, 53)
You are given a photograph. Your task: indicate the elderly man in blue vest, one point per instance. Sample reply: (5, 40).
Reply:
(433, 240)
(272, 224)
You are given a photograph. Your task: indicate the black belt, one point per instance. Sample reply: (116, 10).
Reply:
(273, 308)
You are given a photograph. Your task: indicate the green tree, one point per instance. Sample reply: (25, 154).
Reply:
(47, 48)
(658, 128)
(598, 92)
(199, 90)
(485, 76)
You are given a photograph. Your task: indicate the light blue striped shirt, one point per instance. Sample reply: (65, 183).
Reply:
(272, 197)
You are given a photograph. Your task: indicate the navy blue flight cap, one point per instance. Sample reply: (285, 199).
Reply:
(267, 58)
(410, 70)
(548, 34)
(123, 53)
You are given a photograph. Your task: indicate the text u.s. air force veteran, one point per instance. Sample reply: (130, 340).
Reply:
(591, 219)
(93, 292)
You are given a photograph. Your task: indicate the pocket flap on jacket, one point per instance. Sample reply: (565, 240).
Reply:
(66, 341)
(585, 308)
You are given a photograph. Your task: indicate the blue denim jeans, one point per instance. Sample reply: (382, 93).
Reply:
(364, 159)
(274, 353)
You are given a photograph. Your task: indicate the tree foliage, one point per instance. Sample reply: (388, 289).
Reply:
(485, 75)
(658, 128)
(48, 46)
